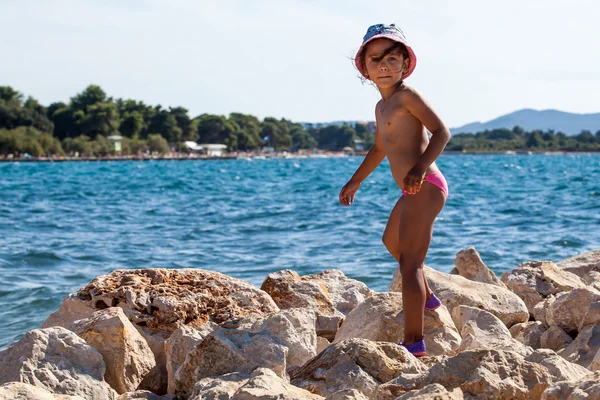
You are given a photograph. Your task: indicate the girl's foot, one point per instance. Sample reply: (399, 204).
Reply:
(432, 303)
(417, 349)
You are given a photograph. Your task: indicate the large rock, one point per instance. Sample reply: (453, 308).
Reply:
(57, 360)
(586, 266)
(534, 281)
(435, 391)
(454, 290)
(585, 348)
(481, 329)
(158, 301)
(261, 384)
(559, 368)
(24, 391)
(381, 318)
(555, 338)
(570, 309)
(144, 395)
(179, 344)
(587, 388)
(482, 374)
(367, 363)
(469, 264)
(528, 333)
(230, 350)
(126, 354)
(330, 293)
(347, 394)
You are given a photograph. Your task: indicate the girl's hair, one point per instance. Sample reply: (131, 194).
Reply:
(396, 48)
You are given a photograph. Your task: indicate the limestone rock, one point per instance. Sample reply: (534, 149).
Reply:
(587, 388)
(469, 265)
(179, 344)
(559, 368)
(57, 360)
(482, 374)
(24, 391)
(144, 395)
(435, 391)
(347, 394)
(71, 310)
(555, 338)
(368, 363)
(536, 280)
(481, 329)
(380, 318)
(586, 266)
(126, 354)
(322, 344)
(330, 293)
(541, 308)
(570, 308)
(591, 316)
(528, 333)
(454, 290)
(584, 349)
(230, 350)
(261, 384)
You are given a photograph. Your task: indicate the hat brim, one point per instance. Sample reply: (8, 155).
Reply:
(411, 55)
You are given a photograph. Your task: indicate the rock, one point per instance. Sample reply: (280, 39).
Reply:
(536, 280)
(592, 315)
(570, 308)
(586, 266)
(330, 293)
(584, 349)
(24, 391)
(541, 308)
(481, 329)
(368, 363)
(482, 374)
(469, 265)
(455, 290)
(587, 388)
(528, 333)
(435, 391)
(126, 354)
(230, 350)
(555, 338)
(158, 301)
(179, 344)
(144, 395)
(380, 318)
(347, 394)
(322, 344)
(262, 384)
(559, 368)
(57, 360)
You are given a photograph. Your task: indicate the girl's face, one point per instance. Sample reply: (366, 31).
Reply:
(388, 70)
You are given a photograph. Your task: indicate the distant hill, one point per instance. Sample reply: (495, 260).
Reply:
(528, 119)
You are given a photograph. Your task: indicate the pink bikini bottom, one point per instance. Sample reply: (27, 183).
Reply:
(437, 179)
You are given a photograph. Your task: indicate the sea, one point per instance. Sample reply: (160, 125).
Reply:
(64, 223)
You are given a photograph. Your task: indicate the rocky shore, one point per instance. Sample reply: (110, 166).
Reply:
(161, 334)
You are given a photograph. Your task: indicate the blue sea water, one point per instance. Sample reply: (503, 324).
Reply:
(62, 224)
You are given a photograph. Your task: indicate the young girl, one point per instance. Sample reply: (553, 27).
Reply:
(402, 118)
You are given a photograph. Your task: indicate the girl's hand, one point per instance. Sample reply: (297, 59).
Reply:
(413, 180)
(347, 193)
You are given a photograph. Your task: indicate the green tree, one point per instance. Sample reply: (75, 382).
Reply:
(156, 143)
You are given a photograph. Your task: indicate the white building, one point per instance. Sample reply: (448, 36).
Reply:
(210, 149)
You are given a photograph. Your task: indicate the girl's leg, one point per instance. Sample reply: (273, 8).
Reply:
(391, 237)
(418, 216)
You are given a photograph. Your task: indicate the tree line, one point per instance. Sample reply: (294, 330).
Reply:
(83, 124)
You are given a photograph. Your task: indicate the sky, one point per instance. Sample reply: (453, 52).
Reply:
(292, 59)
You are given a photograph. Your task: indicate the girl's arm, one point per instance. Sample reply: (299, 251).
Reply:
(372, 160)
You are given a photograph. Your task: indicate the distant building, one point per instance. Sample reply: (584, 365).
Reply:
(210, 149)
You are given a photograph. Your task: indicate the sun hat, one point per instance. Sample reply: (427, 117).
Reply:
(389, 32)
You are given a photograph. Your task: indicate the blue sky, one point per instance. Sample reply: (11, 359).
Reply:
(476, 59)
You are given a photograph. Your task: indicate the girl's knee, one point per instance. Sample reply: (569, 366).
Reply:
(410, 266)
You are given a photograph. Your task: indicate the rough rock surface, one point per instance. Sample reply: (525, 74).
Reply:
(587, 388)
(555, 338)
(469, 265)
(528, 333)
(330, 293)
(380, 318)
(57, 360)
(569, 309)
(261, 384)
(126, 354)
(586, 266)
(368, 363)
(24, 391)
(534, 281)
(585, 348)
(454, 290)
(482, 374)
(559, 368)
(144, 395)
(435, 391)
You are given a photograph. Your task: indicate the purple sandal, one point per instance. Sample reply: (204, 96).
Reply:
(432, 303)
(417, 349)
